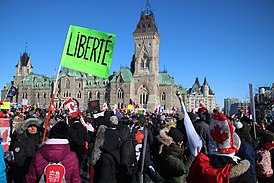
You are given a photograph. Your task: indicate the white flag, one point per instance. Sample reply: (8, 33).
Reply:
(194, 141)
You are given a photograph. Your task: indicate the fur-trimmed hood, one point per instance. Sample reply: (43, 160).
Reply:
(22, 126)
(163, 136)
(99, 142)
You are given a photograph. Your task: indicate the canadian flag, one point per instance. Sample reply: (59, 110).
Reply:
(73, 109)
(105, 107)
(159, 109)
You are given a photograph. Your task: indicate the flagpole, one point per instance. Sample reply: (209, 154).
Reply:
(51, 102)
(253, 110)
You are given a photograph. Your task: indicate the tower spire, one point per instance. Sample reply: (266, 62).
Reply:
(26, 45)
(147, 9)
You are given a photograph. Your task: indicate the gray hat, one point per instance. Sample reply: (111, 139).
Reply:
(180, 115)
(114, 120)
(162, 118)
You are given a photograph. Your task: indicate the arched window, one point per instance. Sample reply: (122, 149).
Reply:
(106, 96)
(79, 94)
(142, 64)
(67, 83)
(120, 94)
(37, 95)
(26, 95)
(89, 95)
(147, 64)
(163, 96)
(97, 94)
(79, 85)
(143, 95)
(44, 95)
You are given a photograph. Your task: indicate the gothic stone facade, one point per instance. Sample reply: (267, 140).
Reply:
(142, 82)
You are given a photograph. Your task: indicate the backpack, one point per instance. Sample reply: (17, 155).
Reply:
(54, 172)
(263, 163)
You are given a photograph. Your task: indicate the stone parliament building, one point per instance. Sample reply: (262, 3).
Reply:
(142, 82)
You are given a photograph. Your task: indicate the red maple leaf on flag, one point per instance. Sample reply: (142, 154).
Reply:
(72, 107)
(139, 137)
(217, 135)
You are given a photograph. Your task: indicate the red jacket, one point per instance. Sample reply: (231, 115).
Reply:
(54, 150)
(201, 171)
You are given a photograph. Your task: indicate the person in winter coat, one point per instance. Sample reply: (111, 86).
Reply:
(202, 129)
(174, 160)
(246, 150)
(25, 141)
(144, 161)
(78, 137)
(55, 149)
(128, 161)
(3, 177)
(220, 165)
(267, 142)
(105, 157)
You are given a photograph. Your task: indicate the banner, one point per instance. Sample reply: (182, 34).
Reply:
(6, 105)
(93, 106)
(25, 101)
(5, 133)
(130, 107)
(88, 51)
(12, 91)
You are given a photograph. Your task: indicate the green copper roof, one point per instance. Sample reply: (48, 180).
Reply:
(195, 89)
(165, 78)
(180, 89)
(36, 80)
(94, 81)
(72, 73)
(124, 74)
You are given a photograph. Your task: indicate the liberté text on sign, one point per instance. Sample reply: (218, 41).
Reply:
(88, 51)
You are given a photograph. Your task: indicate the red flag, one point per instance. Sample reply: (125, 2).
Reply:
(201, 104)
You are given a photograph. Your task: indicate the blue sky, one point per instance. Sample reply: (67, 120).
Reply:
(230, 42)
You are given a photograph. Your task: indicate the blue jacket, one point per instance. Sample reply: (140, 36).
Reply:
(246, 151)
(3, 177)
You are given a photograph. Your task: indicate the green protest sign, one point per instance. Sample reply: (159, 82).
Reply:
(88, 51)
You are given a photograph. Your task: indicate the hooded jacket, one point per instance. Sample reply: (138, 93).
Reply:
(105, 156)
(24, 146)
(54, 150)
(174, 162)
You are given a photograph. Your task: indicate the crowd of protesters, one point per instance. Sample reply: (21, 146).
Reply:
(122, 146)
